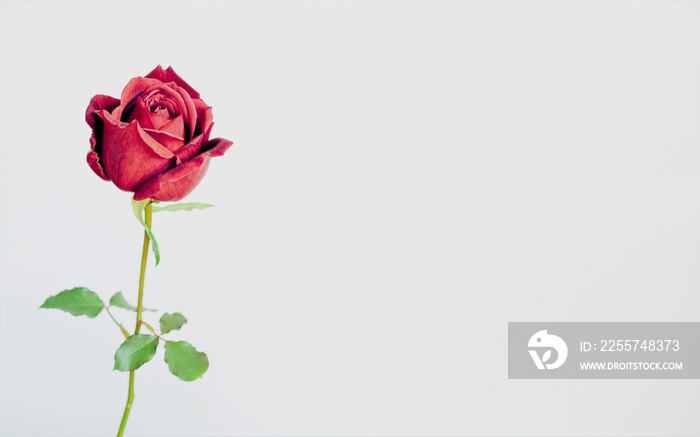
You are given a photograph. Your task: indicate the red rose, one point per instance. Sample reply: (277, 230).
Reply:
(155, 140)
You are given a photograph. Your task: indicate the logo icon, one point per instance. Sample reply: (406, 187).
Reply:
(546, 342)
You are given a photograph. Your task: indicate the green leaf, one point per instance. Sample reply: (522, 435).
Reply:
(139, 207)
(136, 351)
(182, 207)
(78, 301)
(119, 301)
(171, 322)
(184, 361)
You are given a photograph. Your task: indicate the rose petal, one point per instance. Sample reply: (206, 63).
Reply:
(175, 184)
(166, 139)
(139, 107)
(218, 146)
(191, 115)
(178, 182)
(173, 93)
(133, 89)
(199, 144)
(169, 75)
(130, 155)
(141, 114)
(97, 103)
(174, 126)
(152, 121)
(93, 160)
(204, 117)
(194, 148)
(167, 132)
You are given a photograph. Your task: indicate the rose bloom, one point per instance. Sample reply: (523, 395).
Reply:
(154, 140)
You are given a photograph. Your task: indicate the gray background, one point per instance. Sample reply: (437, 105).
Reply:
(407, 178)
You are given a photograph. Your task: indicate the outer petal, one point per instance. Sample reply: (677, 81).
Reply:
(169, 75)
(93, 160)
(205, 118)
(192, 149)
(98, 103)
(166, 139)
(178, 182)
(218, 146)
(130, 155)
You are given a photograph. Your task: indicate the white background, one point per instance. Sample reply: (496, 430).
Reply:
(407, 177)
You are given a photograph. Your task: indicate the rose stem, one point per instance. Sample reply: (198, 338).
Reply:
(139, 310)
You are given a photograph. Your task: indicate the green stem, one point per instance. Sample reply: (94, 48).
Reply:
(144, 257)
(127, 409)
(124, 331)
(139, 309)
(150, 328)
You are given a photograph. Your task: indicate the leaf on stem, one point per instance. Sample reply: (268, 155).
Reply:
(182, 207)
(78, 301)
(136, 351)
(171, 322)
(119, 301)
(184, 361)
(139, 207)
